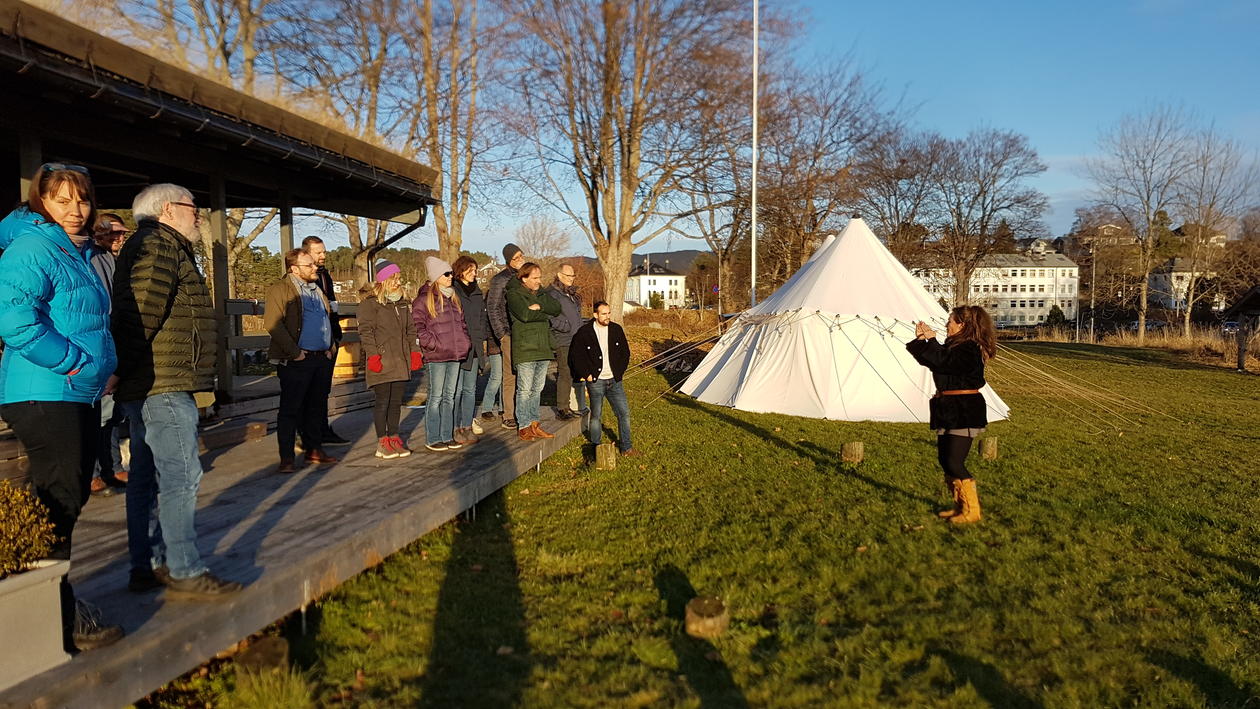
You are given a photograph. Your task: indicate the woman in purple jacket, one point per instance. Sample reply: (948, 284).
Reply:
(444, 342)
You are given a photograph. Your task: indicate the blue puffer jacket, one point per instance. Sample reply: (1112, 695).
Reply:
(54, 316)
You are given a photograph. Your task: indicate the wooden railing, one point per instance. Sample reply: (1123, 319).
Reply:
(238, 342)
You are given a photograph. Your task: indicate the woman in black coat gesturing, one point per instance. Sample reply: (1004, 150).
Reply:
(958, 410)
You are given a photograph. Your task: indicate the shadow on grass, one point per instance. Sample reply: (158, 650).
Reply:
(698, 660)
(480, 654)
(823, 458)
(986, 679)
(1218, 688)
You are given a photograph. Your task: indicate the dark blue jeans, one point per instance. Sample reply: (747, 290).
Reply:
(303, 402)
(611, 389)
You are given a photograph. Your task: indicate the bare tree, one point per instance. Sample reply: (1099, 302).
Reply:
(544, 241)
(1211, 194)
(978, 183)
(608, 100)
(894, 172)
(1144, 159)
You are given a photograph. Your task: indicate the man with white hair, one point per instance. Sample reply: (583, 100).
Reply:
(166, 334)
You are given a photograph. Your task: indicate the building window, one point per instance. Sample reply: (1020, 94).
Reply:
(1021, 318)
(1014, 273)
(1023, 304)
(1041, 289)
(1023, 273)
(1041, 304)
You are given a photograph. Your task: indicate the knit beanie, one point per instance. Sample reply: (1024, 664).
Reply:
(510, 251)
(435, 268)
(385, 268)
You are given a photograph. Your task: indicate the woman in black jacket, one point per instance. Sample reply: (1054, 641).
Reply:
(477, 321)
(957, 410)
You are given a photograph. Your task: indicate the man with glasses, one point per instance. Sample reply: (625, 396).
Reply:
(563, 326)
(166, 335)
(314, 246)
(302, 350)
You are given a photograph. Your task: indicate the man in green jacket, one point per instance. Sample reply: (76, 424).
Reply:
(166, 334)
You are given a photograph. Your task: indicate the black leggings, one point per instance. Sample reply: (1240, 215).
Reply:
(952, 452)
(389, 398)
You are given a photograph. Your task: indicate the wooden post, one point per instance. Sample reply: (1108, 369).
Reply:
(606, 456)
(852, 452)
(707, 617)
(30, 157)
(989, 448)
(286, 227)
(1244, 333)
(219, 258)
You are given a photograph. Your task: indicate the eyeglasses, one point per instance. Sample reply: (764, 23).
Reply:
(448, 274)
(115, 234)
(568, 275)
(60, 166)
(304, 265)
(190, 205)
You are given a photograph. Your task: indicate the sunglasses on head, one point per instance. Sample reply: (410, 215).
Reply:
(448, 274)
(60, 166)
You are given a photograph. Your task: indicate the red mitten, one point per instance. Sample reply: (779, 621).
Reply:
(374, 363)
(416, 361)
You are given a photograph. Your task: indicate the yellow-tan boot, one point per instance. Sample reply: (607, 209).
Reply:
(970, 503)
(955, 493)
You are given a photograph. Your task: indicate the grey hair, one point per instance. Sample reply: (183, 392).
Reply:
(149, 203)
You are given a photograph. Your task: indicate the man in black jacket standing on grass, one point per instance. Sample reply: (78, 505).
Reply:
(599, 355)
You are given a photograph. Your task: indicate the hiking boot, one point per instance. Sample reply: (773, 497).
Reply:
(385, 448)
(316, 455)
(955, 492)
(436, 446)
(631, 453)
(206, 587)
(489, 416)
(90, 632)
(970, 503)
(100, 489)
(509, 423)
(143, 580)
(399, 447)
(527, 434)
(539, 432)
(565, 414)
(476, 428)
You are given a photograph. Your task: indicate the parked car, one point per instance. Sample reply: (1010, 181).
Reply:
(1229, 327)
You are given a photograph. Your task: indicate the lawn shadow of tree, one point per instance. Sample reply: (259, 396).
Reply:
(710, 679)
(986, 679)
(823, 458)
(480, 654)
(1218, 688)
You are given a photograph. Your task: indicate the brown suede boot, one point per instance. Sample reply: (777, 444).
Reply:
(970, 503)
(538, 432)
(955, 491)
(526, 434)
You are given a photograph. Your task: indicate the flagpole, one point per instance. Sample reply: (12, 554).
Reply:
(753, 232)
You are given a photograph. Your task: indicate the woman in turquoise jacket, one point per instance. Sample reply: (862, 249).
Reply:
(58, 356)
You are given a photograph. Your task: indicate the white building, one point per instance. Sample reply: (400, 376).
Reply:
(648, 278)
(1016, 289)
(1170, 283)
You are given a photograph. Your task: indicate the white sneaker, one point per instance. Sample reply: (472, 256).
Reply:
(476, 428)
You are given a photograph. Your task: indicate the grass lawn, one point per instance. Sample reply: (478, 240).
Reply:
(1112, 568)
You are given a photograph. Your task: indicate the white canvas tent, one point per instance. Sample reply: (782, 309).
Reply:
(830, 343)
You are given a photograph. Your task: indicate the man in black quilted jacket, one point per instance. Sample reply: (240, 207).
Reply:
(496, 308)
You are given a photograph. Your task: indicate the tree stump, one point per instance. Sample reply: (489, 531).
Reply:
(707, 617)
(852, 453)
(989, 448)
(606, 456)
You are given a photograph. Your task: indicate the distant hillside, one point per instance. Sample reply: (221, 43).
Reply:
(679, 261)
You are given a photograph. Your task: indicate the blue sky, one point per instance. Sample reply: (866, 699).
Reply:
(1058, 72)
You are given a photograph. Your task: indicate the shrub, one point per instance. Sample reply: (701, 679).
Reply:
(26, 535)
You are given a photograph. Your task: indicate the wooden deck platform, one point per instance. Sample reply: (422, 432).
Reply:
(291, 538)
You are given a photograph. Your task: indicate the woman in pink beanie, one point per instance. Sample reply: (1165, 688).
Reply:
(388, 337)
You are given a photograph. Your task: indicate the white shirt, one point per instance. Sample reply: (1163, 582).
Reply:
(601, 334)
